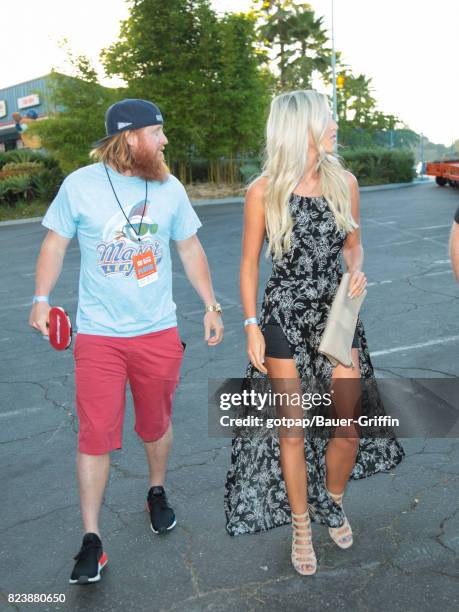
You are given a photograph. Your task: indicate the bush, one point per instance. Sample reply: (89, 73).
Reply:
(377, 166)
(16, 188)
(25, 175)
(13, 169)
(46, 183)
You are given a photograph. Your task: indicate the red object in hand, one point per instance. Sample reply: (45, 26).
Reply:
(60, 329)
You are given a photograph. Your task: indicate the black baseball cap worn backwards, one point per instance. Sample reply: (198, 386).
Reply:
(130, 114)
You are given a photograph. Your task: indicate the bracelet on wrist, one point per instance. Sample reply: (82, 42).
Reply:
(251, 321)
(40, 298)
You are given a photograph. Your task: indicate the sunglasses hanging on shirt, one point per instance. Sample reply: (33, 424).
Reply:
(144, 262)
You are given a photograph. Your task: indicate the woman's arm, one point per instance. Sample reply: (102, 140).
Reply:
(252, 242)
(352, 249)
(454, 248)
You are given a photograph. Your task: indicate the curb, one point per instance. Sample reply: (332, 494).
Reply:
(20, 221)
(240, 200)
(229, 200)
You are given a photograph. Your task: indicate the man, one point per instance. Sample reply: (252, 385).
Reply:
(454, 245)
(124, 209)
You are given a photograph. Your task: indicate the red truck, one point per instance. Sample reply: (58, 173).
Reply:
(444, 172)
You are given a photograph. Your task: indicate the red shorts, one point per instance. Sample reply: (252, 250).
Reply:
(103, 365)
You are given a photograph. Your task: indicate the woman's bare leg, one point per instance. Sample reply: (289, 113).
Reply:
(284, 379)
(342, 448)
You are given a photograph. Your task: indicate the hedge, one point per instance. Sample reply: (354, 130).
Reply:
(28, 175)
(379, 166)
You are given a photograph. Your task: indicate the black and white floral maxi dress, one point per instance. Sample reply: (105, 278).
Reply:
(298, 296)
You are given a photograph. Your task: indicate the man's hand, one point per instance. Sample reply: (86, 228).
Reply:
(39, 317)
(213, 323)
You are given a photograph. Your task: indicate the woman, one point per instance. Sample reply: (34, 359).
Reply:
(307, 207)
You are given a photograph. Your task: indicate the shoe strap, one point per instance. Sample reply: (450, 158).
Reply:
(343, 533)
(301, 520)
(301, 524)
(346, 526)
(337, 497)
(296, 545)
(303, 554)
(304, 557)
(306, 536)
(303, 515)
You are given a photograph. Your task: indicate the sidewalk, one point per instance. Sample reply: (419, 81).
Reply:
(240, 200)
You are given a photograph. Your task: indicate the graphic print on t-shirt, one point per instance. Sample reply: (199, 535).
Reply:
(120, 241)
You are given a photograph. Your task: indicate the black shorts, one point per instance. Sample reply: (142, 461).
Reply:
(277, 345)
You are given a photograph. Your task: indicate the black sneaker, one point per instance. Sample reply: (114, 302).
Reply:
(89, 561)
(162, 516)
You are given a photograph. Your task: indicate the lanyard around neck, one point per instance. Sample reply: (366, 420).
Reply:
(122, 209)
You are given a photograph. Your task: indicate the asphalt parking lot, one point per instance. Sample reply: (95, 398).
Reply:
(405, 523)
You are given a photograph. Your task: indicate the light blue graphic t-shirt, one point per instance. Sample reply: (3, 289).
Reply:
(110, 301)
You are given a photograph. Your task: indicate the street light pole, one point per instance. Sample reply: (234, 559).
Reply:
(335, 111)
(421, 146)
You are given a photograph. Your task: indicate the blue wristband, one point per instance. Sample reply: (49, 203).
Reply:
(39, 298)
(251, 321)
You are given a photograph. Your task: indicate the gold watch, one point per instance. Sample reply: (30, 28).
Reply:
(214, 308)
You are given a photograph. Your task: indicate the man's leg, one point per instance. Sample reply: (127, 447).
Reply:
(93, 471)
(157, 456)
(153, 372)
(100, 380)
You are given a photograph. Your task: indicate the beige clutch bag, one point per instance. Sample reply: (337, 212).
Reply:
(336, 343)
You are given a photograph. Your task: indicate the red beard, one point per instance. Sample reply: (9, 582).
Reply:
(147, 164)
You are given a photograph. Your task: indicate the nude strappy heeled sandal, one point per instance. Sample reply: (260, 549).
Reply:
(342, 536)
(303, 555)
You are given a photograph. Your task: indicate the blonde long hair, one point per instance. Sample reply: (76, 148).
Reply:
(293, 117)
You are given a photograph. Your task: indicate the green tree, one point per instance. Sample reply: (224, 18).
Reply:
(78, 120)
(312, 54)
(356, 104)
(202, 71)
(240, 99)
(164, 54)
(295, 41)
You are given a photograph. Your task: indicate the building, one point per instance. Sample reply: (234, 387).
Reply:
(30, 100)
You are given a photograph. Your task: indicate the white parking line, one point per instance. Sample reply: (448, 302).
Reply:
(411, 347)
(385, 282)
(433, 226)
(437, 273)
(411, 276)
(391, 244)
(13, 413)
(406, 232)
